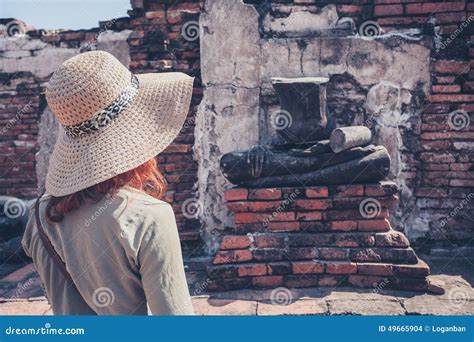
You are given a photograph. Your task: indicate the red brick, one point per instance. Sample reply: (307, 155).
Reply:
(267, 281)
(301, 253)
(315, 192)
(388, 10)
(254, 217)
(349, 190)
(332, 253)
(307, 267)
(366, 281)
(341, 267)
(373, 225)
(236, 194)
(329, 280)
(265, 194)
(349, 9)
(452, 98)
(235, 242)
(252, 270)
(307, 280)
(260, 206)
(454, 88)
(312, 204)
(343, 225)
(375, 269)
(283, 226)
(309, 216)
(225, 257)
(434, 7)
(265, 241)
(456, 67)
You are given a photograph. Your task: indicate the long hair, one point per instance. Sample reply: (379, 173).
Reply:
(146, 177)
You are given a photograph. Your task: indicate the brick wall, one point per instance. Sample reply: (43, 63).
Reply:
(441, 172)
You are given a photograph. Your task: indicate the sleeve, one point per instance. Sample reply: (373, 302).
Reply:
(161, 266)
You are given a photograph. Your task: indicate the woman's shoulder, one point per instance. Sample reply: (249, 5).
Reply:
(139, 200)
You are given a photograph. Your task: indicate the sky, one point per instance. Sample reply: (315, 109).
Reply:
(64, 14)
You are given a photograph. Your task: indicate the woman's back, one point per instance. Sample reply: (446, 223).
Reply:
(123, 254)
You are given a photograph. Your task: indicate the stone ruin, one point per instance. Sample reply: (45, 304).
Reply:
(311, 210)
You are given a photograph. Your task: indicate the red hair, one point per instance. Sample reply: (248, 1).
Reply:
(146, 177)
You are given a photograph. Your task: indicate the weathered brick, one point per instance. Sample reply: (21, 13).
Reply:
(283, 226)
(345, 226)
(266, 241)
(226, 257)
(434, 7)
(341, 267)
(279, 268)
(267, 281)
(373, 225)
(312, 204)
(301, 253)
(316, 192)
(251, 270)
(388, 10)
(333, 253)
(265, 194)
(307, 267)
(235, 242)
(375, 269)
(309, 216)
(236, 194)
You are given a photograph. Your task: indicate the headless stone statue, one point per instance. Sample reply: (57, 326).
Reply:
(314, 152)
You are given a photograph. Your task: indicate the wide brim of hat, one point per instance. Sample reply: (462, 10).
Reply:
(144, 129)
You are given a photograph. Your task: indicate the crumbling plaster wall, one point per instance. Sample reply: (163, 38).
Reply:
(380, 82)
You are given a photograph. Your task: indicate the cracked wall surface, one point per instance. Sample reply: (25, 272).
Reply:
(381, 83)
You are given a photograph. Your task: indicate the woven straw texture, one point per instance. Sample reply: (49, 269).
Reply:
(144, 129)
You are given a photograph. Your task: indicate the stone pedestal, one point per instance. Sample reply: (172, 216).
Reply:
(315, 236)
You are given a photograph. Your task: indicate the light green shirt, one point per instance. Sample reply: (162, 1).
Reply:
(123, 254)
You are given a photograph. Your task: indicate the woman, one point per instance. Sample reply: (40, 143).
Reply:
(102, 241)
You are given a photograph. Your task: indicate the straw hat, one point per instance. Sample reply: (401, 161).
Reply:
(111, 121)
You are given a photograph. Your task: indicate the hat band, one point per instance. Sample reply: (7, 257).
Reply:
(105, 116)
